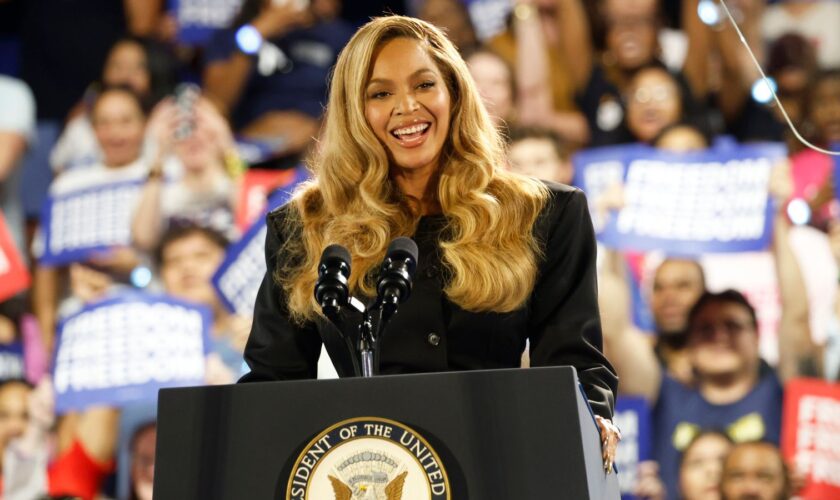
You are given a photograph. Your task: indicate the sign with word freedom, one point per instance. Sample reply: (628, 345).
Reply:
(80, 223)
(126, 348)
(199, 19)
(684, 204)
(811, 435)
(239, 276)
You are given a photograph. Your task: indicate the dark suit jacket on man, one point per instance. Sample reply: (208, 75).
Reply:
(431, 334)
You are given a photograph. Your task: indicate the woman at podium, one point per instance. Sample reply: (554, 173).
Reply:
(409, 150)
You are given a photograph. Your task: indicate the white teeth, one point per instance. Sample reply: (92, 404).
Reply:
(411, 130)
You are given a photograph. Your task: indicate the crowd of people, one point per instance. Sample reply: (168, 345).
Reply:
(95, 93)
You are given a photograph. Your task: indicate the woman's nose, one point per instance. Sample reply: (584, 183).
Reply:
(406, 103)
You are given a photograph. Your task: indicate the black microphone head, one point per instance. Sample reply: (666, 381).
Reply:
(331, 289)
(338, 252)
(402, 248)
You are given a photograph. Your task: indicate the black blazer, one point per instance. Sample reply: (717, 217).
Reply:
(431, 334)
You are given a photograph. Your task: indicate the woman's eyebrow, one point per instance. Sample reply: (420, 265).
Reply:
(387, 81)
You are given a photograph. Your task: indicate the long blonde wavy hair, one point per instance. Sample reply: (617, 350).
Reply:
(488, 247)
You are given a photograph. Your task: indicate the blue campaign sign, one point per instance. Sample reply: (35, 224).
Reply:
(80, 223)
(684, 204)
(238, 278)
(632, 416)
(124, 349)
(198, 20)
(11, 361)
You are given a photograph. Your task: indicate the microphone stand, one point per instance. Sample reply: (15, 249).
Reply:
(367, 345)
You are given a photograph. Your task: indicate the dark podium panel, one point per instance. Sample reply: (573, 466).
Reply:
(501, 434)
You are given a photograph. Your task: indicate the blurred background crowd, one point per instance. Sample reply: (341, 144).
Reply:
(102, 91)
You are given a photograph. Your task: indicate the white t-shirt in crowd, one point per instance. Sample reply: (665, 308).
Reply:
(820, 24)
(17, 107)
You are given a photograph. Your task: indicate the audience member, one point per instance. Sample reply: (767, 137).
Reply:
(700, 466)
(496, 84)
(811, 169)
(815, 20)
(13, 414)
(654, 101)
(187, 258)
(17, 128)
(755, 470)
(452, 17)
(541, 44)
(540, 153)
(84, 456)
(143, 445)
(792, 64)
(734, 389)
(139, 64)
(119, 124)
(206, 192)
(271, 78)
(631, 43)
(64, 44)
(681, 138)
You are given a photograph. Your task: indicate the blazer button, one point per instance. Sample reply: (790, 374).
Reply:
(433, 339)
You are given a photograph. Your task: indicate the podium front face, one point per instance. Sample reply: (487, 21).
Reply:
(498, 434)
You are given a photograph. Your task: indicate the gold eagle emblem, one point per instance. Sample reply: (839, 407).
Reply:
(393, 490)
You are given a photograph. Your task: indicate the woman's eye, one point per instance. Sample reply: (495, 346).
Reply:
(379, 95)
(426, 85)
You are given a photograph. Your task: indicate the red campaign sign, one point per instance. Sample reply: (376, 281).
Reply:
(257, 184)
(811, 435)
(14, 277)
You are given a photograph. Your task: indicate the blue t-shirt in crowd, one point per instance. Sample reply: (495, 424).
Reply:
(681, 412)
(298, 86)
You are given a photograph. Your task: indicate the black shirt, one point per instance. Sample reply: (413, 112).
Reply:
(432, 334)
(64, 44)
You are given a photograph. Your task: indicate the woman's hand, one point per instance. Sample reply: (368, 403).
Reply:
(277, 18)
(162, 125)
(208, 120)
(87, 284)
(610, 436)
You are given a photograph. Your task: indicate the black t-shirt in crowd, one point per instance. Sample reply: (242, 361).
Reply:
(63, 48)
(604, 107)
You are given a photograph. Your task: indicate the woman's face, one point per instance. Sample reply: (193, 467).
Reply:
(187, 268)
(119, 125)
(407, 104)
(493, 79)
(826, 113)
(126, 65)
(631, 31)
(143, 463)
(653, 103)
(701, 468)
(682, 139)
(452, 19)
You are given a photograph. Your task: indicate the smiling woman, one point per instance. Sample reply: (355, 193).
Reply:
(408, 105)
(408, 149)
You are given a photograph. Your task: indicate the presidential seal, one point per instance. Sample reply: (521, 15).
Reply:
(368, 458)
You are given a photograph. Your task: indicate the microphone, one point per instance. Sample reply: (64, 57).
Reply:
(331, 289)
(396, 275)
